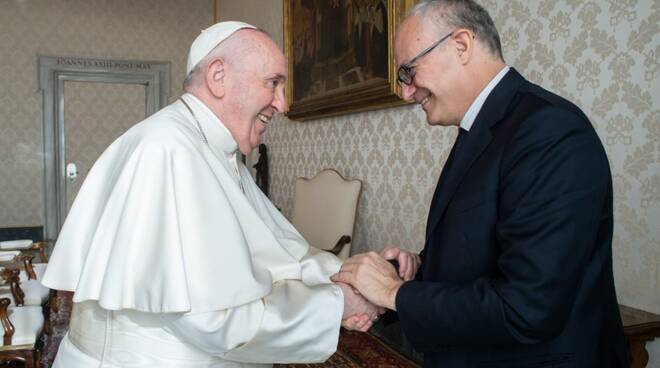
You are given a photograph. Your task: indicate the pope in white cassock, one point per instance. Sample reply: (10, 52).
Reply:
(175, 256)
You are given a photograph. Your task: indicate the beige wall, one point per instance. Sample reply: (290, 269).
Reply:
(600, 55)
(159, 30)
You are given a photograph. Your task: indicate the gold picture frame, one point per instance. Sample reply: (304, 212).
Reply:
(336, 57)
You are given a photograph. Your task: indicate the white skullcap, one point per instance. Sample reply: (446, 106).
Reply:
(210, 38)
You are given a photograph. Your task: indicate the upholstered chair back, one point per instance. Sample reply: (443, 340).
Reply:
(325, 209)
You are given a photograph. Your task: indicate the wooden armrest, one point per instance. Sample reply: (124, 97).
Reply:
(7, 326)
(41, 247)
(345, 239)
(27, 263)
(11, 276)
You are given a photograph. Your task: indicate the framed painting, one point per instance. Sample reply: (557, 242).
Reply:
(339, 55)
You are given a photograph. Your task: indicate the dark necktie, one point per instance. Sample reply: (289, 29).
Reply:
(445, 171)
(454, 150)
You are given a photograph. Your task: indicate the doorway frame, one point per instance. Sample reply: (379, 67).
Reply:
(53, 72)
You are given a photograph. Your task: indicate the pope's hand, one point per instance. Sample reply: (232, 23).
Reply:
(373, 276)
(358, 312)
(357, 323)
(408, 262)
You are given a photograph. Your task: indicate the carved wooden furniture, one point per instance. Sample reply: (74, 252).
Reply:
(639, 327)
(11, 286)
(38, 247)
(22, 327)
(31, 271)
(22, 292)
(261, 167)
(324, 210)
(30, 281)
(22, 287)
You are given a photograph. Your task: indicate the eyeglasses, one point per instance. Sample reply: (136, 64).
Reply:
(406, 72)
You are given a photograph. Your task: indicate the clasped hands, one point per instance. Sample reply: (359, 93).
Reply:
(370, 283)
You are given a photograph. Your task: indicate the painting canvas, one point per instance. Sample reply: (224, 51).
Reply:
(339, 54)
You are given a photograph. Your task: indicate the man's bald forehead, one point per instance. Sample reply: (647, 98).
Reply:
(410, 25)
(411, 30)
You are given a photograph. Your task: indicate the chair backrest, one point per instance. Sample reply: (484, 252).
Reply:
(325, 209)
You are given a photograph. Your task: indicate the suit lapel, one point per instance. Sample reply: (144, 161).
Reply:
(476, 140)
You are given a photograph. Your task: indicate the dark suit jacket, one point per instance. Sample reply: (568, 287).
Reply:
(517, 266)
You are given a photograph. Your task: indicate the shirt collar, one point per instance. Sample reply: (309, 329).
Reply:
(471, 114)
(216, 132)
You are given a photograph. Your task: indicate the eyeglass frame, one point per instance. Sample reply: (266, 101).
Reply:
(406, 69)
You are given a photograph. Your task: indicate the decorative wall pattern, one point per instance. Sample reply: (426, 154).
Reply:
(392, 151)
(601, 54)
(160, 30)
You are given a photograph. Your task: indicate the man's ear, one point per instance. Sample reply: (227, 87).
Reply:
(215, 77)
(464, 41)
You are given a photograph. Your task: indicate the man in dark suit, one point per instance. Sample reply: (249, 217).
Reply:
(517, 266)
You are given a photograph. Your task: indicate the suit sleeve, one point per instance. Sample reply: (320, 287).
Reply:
(554, 182)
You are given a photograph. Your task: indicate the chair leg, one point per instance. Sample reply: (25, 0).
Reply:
(30, 361)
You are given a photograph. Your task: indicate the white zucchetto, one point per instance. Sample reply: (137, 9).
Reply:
(210, 38)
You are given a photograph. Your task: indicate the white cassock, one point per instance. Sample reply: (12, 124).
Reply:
(177, 259)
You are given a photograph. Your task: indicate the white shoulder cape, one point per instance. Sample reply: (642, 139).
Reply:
(160, 225)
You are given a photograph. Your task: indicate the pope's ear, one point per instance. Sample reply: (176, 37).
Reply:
(215, 77)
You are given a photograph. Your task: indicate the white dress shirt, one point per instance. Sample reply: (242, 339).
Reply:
(477, 104)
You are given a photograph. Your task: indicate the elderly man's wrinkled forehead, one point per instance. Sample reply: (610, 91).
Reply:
(251, 48)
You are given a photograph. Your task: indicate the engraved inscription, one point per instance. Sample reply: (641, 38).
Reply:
(111, 64)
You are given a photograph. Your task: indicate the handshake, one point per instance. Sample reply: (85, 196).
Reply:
(369, 282)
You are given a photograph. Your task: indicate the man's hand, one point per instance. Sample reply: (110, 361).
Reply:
(408, 262)
(373, 276)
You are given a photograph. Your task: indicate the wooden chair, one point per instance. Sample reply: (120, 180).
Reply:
(27, 292)
(37, 294)
(22, 328)
(39, 247)
(31, 270)
(30, 281)
(324, 211)
(639, 327)
(11, 286)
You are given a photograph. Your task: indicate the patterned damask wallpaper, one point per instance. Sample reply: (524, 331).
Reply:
(159, 30)
(603, 55)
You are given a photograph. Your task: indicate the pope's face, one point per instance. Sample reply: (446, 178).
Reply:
(256, 93)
